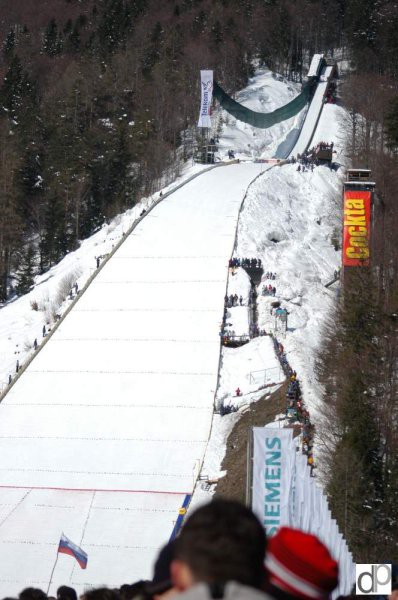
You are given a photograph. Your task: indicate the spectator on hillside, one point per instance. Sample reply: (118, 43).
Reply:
(220, 553)
(298, 565)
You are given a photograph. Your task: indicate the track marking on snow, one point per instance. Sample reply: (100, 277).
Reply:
(83, 532)
(54, 506)
(99, 439)
(139, 509)
(54, 545)
(29, 582)
(112, 491)
(123, 372)
(52, 405)
(15, 508)
(150, 310)
(118, 508)
(73, 472)
(115, 258)
(122, 339)
(160, 281)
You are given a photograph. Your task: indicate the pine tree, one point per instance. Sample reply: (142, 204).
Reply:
(26, 270)
(114, 25)
(17, 90)
(152, 53)
(54, 243)
(52, 43)
(10, 222)
(392, 125)
(9, 44)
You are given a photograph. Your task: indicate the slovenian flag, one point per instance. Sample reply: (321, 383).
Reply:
(68, 547)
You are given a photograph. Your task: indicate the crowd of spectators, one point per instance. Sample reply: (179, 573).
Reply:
(313, 157)
(296, 412)
(248, 263)
(222, 552)
(233, 300)
(268, 290)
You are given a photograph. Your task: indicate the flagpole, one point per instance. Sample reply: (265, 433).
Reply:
(52, 572)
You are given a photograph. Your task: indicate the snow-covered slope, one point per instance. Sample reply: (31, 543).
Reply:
(119, 402)
(116, 409)
(289, 220)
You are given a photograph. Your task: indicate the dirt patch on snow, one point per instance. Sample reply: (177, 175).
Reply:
(264, 411)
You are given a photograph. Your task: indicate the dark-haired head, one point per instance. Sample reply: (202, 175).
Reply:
(101, 594)
(66, 593)
(31, 593)
(221, 541)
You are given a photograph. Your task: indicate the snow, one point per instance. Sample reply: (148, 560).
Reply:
(265, 93)
(314, 66)
(121, 397)
(313, 114)
(298, 209)
(105, 432)
(331, 129)
(245, 367)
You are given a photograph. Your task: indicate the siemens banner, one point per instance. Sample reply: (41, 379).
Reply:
(206, 86)
(273, 463)
(284, 493)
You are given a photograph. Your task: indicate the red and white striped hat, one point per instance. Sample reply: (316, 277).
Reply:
(299, 564)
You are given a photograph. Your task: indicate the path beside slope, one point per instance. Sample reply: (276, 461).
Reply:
(263, 411)
(102, 436)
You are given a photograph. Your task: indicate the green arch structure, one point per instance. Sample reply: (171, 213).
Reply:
(263, 120)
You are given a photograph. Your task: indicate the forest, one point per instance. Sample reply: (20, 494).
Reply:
(98, 102)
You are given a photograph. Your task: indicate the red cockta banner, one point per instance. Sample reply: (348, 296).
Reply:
(356, 228)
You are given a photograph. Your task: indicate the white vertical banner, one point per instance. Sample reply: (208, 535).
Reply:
(206, 86)
(300, 496)
(317, 521)
(273, 461)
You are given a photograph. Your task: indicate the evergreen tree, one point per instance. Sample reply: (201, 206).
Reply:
(9, 44)
(114, 25)
(74, 39)
(54, 243)
(152, 53)
(10, 222)
(52, 43)
(392, 125)
(26, 270)
(17, 91)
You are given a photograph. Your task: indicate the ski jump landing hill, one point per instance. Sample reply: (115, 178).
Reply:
(103, 435)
